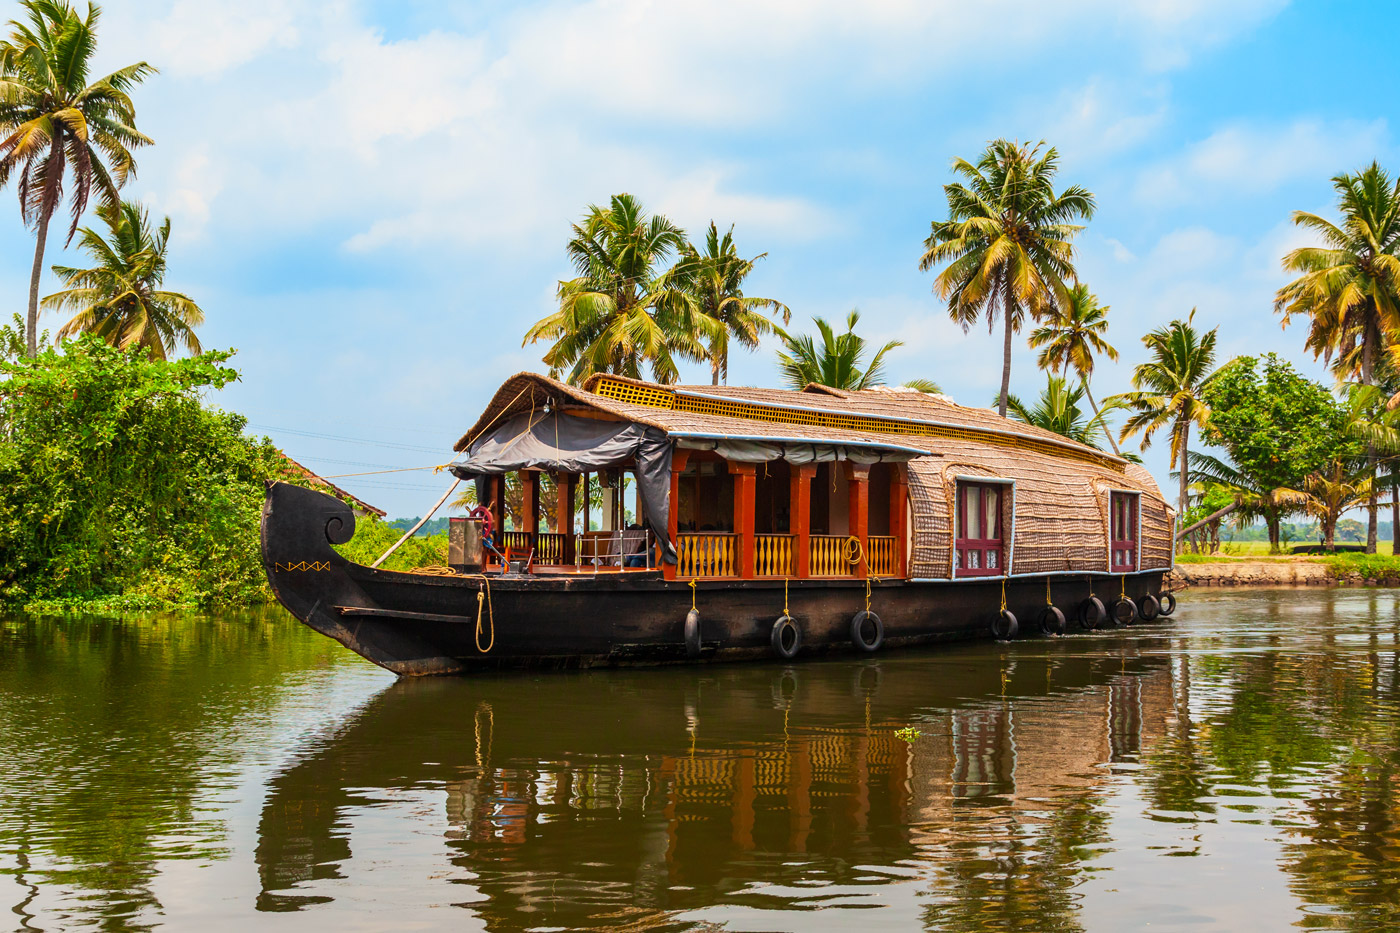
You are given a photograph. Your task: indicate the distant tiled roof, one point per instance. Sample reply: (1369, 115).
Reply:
(339, 493)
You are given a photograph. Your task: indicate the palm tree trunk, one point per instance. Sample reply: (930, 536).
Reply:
(1185, 437)
(1272, 521)
(714, 371)
(1371, 338)
(1094, 405)
(32, 324)
(1395, 520)
(1005, 352)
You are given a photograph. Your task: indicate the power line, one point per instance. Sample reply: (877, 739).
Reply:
(343, 439)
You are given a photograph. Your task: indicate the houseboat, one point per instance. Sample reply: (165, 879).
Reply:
(767, 523)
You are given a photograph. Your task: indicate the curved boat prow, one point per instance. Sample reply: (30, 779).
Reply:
(315, 583)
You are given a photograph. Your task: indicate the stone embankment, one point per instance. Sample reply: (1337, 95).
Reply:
(1300, 572)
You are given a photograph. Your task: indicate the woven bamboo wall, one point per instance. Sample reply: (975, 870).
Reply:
(933, 532)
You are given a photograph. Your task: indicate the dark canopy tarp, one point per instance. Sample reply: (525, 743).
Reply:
(562, 443)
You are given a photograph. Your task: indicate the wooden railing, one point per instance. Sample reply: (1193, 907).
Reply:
(706, 555)
(549, 548)
(518, 540)
(828, 556)
(880, 556)
(774, 555)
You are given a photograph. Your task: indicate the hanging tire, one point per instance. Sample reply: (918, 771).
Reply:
(692, 634)
(1052, 621)
(1168, 604)
(786, 638)
(1092, 613)
(858, 625)
(1148, 607)
(1124, 612)
(1005, 626)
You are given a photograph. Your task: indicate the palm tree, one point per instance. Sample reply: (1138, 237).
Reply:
(120, 299)
(837, 362)
(1331, 492)
(1006, 241)
(1072, 334)
(1252, 501)
(1349, 288)
(1058, 410)
(1167, 390)
(623, 310)
(715, 279)
(55, 122)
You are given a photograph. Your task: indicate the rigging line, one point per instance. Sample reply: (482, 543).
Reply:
(378, 472)
(338, 437)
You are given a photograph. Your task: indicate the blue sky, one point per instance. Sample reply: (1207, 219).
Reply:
(370, 200)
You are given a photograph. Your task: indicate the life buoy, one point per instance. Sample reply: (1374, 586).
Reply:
(692, 634)
(482, 514)
(1124, 612)
(1168, 604)
(858, 623)
(786, 638)
(1092, 613)
(1004, 625)
(1148, 607)
(1052, 621)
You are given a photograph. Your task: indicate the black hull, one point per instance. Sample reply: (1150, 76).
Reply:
(414, 624)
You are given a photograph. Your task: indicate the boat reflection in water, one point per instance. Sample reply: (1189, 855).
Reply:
(678, 798)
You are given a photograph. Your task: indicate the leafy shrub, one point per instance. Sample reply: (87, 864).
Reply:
(373, 537)
(117, 480)
(1371, 567)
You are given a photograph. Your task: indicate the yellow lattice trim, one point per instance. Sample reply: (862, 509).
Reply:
(654, 397)
(650, 396)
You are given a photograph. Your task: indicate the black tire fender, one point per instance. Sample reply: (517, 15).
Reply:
(1148, 607)
(786, 638)
(1168, 604)
(1092, 613)
(1004, 625)
(858, 622)
(1124, 612)
(1052, 621)
(692, 634)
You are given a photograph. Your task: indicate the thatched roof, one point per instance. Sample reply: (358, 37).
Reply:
(1063, 489)
(898, 419)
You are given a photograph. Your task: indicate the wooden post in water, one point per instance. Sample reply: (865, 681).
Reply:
(745, 479)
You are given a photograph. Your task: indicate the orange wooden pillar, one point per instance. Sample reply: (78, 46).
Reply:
(498, 506)
(800, 517)
(530, 502)
(678, 461)
(745, 484)
(566, 484)
(858, 501)
(899, 513)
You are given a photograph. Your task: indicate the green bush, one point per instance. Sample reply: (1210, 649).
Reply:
(116, 480)
(373, 537)
(1371, 567)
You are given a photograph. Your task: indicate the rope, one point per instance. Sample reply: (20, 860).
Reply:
(867, 595)
(1003, 594)
(854, 551)
(435, 469)
(785, 601)
(1123, 591)
(692, 597)
(1048, 600)
(483, 597)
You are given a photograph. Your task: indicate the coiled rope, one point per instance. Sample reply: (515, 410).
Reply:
(483, 596)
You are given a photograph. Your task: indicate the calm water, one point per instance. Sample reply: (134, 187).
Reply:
(1235, 769)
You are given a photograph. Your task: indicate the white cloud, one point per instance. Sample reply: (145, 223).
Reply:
(1245, 159)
